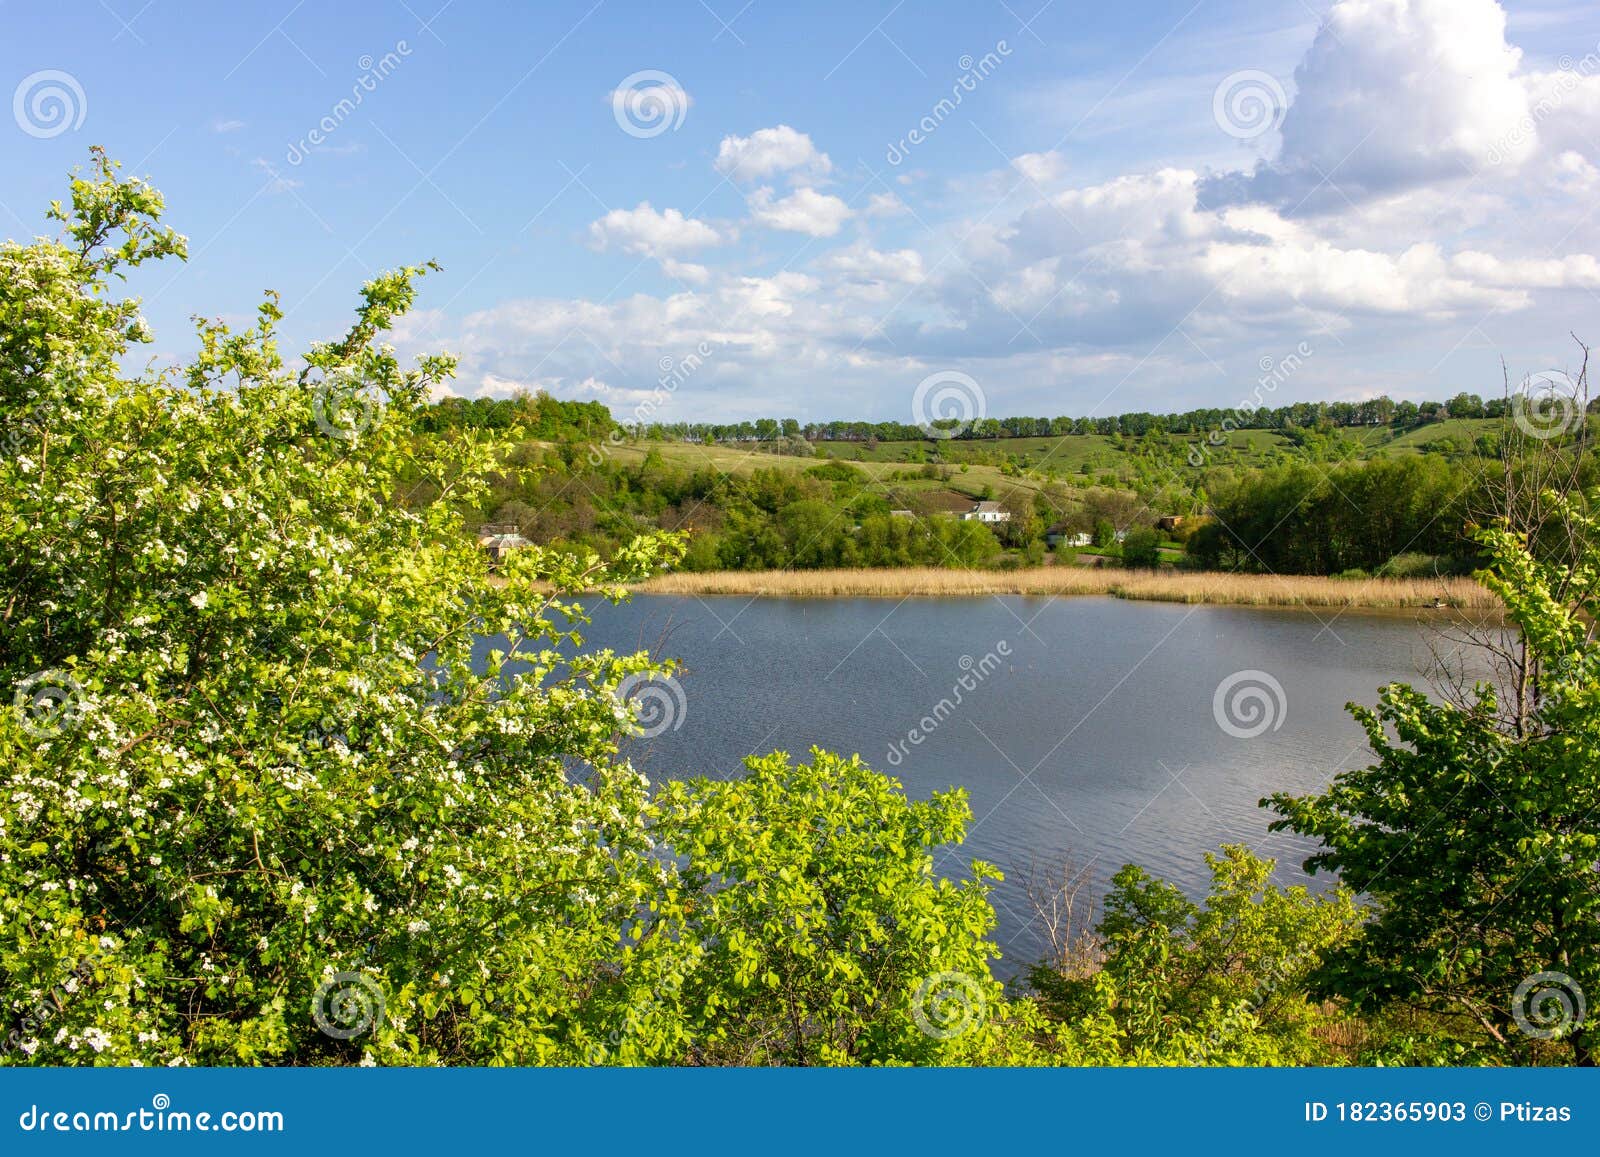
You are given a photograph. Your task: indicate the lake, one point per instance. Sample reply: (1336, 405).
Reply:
(1090, 727)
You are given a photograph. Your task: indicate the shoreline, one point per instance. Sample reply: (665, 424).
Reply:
(1210, 587)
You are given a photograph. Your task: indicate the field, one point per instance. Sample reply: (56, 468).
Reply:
(1218, 588)
(1066, 455)
(897, 480)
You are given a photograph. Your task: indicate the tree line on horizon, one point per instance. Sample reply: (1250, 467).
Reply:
(545, 417)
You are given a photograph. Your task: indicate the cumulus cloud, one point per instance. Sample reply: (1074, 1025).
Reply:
(803, 211)
(1393, 94)
(766, 152)
(650, 233)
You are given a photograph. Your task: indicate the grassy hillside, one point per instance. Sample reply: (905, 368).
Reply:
(1252, 500)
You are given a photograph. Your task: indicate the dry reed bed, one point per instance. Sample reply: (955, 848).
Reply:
(1186, 587)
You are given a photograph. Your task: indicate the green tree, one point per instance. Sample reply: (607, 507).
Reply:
(1141, 548)
(1221, 982)
(253, 761)
(806, 926)
(1476, 830)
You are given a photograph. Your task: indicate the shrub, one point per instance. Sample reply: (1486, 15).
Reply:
(256, 764)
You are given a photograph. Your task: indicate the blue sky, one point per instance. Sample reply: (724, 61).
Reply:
(1096, 226)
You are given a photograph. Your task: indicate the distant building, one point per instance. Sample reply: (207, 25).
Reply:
(1169, 522)
(903, 513)
(497, 541)
(1063, 535)
(986, 512)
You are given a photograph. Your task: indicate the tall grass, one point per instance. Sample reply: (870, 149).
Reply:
(1182, 587)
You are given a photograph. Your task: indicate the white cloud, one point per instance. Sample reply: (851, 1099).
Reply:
(594, 389)
(1578, 271)
(803, 211)
(768, 151)
(885, 205)
(1393, 94)
(650, 233)
(686, 271)
(1041, 168)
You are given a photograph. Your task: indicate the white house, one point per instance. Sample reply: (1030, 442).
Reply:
(986, 512)
(1063, 535)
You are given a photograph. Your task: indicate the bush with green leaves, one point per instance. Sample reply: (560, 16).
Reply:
(1221, 982)
(804, 924)
(1477, 831)
(251, 762)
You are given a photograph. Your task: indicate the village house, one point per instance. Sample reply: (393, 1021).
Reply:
(1063, 535)
(986, 512)
(499, 540)
(1169, 522)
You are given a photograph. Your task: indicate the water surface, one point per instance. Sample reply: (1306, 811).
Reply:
(1087, 726)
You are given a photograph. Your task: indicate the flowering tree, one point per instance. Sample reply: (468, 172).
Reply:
(252, 772)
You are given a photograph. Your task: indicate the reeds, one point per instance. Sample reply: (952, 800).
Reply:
(1177, 587)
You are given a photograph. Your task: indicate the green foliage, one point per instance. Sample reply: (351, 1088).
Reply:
(258, 758)
(1475, 832)
(1303, 519)
(1141, 548)
(805, 925)
(276, 761)
(1218, 983)
(533, 415)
